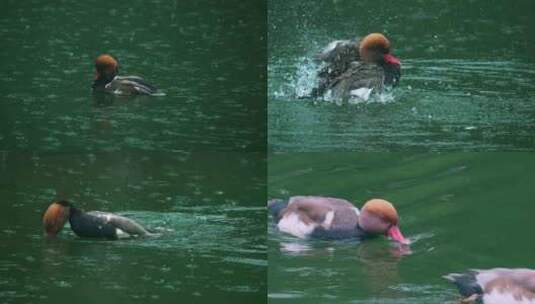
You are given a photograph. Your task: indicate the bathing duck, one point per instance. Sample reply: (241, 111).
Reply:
(496, 286)
(89, 224)
(355, 68)
(107, 80)
(334, 218)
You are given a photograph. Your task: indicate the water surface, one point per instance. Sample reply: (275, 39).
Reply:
(208, 58)
(208, 209)
(467, 76)
(460, 210)
(189, 164)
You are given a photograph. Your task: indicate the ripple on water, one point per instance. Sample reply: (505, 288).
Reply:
(286, 295)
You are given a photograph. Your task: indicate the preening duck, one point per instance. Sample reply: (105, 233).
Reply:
(334, 218)
(107, 79)
(89, 224)
(355, 68)
(496, 286)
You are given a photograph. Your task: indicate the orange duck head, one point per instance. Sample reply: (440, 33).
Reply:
(107, 68)
(55, 217)
(375, 47)
(378, 216)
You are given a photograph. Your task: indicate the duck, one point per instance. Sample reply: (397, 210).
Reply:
(356, 68)
(92, 224)
(108, 80)
(496, 286)
(309, 217)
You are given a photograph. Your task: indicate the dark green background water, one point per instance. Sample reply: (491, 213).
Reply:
(208, 57)
(461, 210)
(467, 81)
(190, 164)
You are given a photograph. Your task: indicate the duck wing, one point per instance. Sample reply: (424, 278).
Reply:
(131, 85)
(336, 57)
(127, 225)
(91, 224)
(328, 212)
(339, 52)
(359, 75)
(139, 81)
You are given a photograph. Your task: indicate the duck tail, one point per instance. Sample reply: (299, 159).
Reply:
(275, 206)
(465, 282)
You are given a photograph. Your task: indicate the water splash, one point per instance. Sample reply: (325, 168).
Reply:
(306, 76)
(297, 81)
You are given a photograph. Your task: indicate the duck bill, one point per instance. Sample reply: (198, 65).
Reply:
(391, 59)
(395, 234)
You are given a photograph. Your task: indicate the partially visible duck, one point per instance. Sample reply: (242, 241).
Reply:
(89, 224)
(496, 286)
(107, 79)
(355, 68)
(334, 218)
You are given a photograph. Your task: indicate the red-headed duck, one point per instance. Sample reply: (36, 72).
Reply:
(89, 224)
(334, 218)
(107, 79)
(357, 67)
(496, 286)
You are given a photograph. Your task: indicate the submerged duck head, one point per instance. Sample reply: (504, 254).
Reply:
(107, 68)
(379, 216)
(375, 48)
(55, 217)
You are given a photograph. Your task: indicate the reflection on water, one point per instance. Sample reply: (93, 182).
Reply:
(460, 90)
(448, 206)
(375, 260)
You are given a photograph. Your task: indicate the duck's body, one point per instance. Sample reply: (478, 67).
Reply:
(334, 218)
(129, 85)
(337, 57)
(317, 217)
(355, 68)
(496, 286)
(107, 79)
(95, 224)
(360, 80)
(103, 224)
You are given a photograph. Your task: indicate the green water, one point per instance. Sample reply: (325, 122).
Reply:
(461, 211)
(212, 228)
(467, 76)
(215, 91)
(189, 164)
